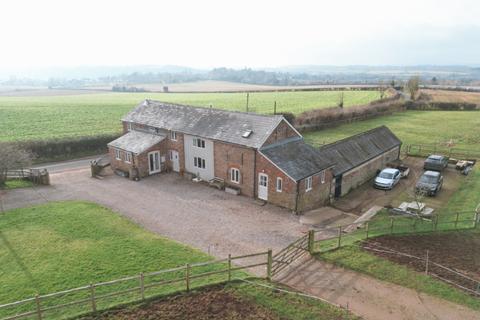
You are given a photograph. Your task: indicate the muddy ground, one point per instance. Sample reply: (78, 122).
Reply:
(213, 303)
(459, 251)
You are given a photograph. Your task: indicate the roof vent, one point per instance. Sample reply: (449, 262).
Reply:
(247, 133)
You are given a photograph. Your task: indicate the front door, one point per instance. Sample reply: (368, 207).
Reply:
(175, 160)
(153, 162)
(262, 186)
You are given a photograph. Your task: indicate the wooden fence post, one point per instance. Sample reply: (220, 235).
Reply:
(366, 230)
(269, 264)
(456, 220)
(475, 222)
(37, 304)
(92, 297)
(436, 222)
(311, 241)
(339, 236)
(426, 264)
(142, 285)
(391, 225)
(187, 276)
(229, 267)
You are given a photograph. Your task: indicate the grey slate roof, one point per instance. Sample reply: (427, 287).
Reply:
(208, 123)
(296, 158)
(358, 149)
(136, 141)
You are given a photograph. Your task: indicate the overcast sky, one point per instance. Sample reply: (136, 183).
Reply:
(237, 34)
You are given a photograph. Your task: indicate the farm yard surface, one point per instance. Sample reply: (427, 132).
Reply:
(457, 129)
(48, 117)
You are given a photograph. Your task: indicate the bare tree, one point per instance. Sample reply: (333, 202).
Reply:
(341, 98)
(13, 157)
(382, 88)
(412, 86)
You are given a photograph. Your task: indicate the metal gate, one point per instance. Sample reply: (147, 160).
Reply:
(292, 252)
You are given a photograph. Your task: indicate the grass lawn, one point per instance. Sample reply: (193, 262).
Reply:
(17, 183)
(64, 245)
(415, 127)
(34, 117)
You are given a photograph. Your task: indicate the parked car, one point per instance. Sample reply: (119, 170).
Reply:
(435, 163)
(387, 179)
(429, 183)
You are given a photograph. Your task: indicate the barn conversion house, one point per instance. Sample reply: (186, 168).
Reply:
(260, 156)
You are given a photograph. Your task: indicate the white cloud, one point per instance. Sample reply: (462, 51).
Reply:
(242, 33)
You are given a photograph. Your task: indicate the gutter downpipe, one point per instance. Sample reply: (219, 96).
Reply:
(297, 196)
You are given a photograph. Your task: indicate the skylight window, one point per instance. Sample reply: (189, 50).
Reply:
(247, 133)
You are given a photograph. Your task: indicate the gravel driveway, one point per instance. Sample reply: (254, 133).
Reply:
(200, 216)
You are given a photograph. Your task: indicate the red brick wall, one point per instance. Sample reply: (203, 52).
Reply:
(282, 131)
(287, 197)
(227, 156)
(318, 196)
(178, 146)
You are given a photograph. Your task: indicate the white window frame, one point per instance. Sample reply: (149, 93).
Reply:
(308, 184)
(118, 154)
(128, 157)
(199, 143)
(173, 135)
(129, 126)
(235, 175)
(199, 163)
(279, 184)
(322, 177)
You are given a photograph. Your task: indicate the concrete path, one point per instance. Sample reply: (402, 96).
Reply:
(368, 297)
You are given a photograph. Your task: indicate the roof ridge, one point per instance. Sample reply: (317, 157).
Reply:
(212, 108)
(357, 135)
(282, 142)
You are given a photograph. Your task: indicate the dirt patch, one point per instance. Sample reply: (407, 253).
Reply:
(213, 303)
(459, 251)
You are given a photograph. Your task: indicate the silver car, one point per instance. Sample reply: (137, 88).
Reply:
(387, 179)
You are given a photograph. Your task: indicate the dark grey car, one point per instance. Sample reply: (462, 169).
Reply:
(435, 163)
(429, 183)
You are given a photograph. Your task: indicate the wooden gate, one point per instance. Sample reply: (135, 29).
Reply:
(292, 252)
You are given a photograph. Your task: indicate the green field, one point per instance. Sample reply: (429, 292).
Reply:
(64, 245)
(415, 127)
(47, 117)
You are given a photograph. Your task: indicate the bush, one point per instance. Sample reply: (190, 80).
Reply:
(62, 149)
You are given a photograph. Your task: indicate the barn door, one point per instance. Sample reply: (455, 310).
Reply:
(338, 186)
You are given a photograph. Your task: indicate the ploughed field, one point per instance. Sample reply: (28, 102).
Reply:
(452, 96)
(457, 250)
(234, 301)
(46, 117)
(457, 129)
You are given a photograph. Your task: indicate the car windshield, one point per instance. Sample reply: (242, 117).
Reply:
(386, 175)
(428, 179)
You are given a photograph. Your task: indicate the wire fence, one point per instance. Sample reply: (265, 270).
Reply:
(103, 295)
(332, 238)
(444, 273)
(424, 150)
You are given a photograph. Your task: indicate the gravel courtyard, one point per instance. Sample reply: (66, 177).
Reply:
(203, 217)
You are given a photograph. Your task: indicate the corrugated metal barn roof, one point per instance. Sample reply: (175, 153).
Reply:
(228, 126)
(296, 158)
(358, 149)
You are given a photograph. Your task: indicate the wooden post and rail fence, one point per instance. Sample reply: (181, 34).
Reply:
(37, 176)
(424, 150)
(182, 276)
(139, 285)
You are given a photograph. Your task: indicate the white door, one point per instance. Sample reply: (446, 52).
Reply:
(154, 162)
(175, 160)
(262, 186)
